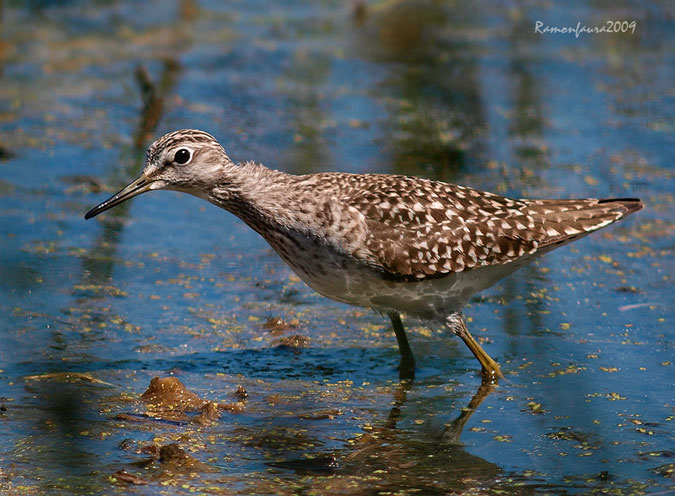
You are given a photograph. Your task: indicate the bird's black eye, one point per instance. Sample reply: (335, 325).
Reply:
(182, 156)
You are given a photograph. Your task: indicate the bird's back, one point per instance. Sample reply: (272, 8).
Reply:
(416, 228)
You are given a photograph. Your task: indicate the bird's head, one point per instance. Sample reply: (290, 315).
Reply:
(187, 160)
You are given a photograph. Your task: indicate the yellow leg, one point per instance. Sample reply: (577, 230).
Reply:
(491, 370)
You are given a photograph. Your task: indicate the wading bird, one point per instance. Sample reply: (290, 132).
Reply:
(394, 243)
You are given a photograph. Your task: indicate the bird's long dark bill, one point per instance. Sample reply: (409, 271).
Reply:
(140, 185)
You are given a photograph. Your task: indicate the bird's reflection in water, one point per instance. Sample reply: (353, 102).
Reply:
(453, 430)
(392, 459)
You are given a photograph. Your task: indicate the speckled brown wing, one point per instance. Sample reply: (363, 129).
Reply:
(417, 229)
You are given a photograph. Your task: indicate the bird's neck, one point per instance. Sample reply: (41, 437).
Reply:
(257, 195)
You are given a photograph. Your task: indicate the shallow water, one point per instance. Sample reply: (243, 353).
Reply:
(168, 285)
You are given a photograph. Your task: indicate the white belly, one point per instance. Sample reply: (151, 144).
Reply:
(340, 278)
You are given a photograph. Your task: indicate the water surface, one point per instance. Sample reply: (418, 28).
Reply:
(168, 285)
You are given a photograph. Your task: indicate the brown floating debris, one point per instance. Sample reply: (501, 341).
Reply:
(325, 413)
(277, 325)
(210, 412)
(237, 407)
(175, 459)
(294, 341)
(168, 417)
(67, 377)
(628, 289)
(124, 476)
(241, 393)
(168, 399)
(126, 444)
(309, 465)
(131, 418)
(168, 393)
(150, 449)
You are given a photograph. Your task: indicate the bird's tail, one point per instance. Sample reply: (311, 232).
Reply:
(562, 221)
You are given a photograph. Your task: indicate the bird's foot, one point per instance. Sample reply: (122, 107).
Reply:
(491, 374)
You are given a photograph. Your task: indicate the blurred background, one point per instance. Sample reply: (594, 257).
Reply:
(168, 285)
